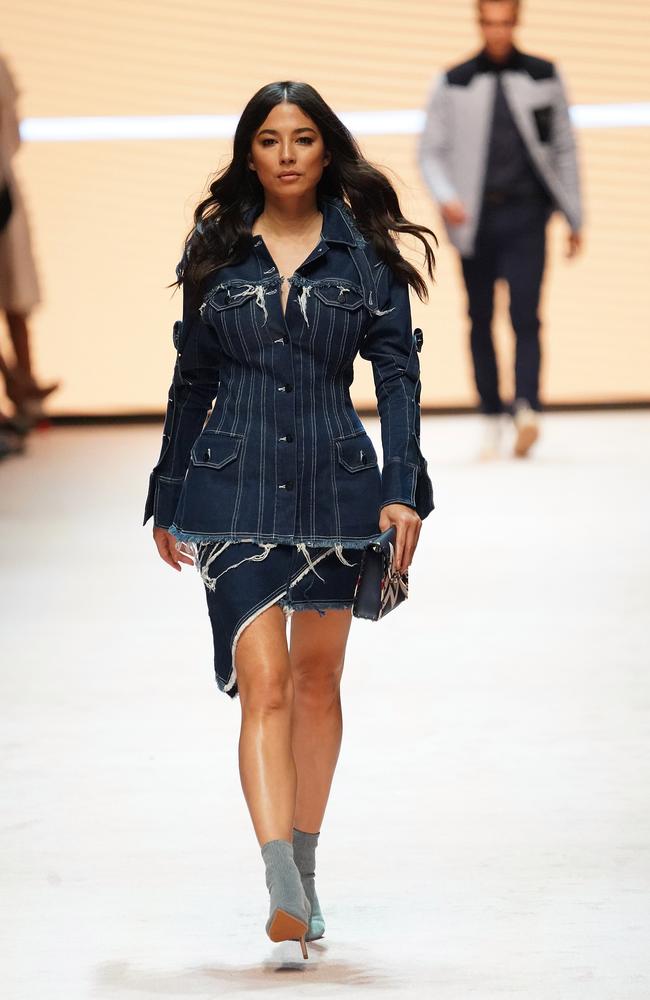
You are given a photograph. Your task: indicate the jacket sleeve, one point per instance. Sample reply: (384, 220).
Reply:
(391, 346)
(193, 389)
(433, 147)
(566, 156)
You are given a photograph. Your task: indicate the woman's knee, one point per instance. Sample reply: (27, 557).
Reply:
(264, 678)
(317, 680)
(266, 689)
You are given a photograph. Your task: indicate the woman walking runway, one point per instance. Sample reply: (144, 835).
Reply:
(290, 269)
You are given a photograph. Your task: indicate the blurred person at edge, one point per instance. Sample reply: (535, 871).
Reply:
(498, 154)
(10, 441)
(19, 289)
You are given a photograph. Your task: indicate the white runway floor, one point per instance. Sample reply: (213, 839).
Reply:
(488, 833)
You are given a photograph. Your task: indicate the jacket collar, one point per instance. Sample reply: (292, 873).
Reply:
(338, 224)
(487, 65)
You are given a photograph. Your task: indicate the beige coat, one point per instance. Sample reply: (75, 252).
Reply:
(19, 290)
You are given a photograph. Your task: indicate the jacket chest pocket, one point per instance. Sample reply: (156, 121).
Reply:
(229, 295)
(235, 302)
(339, 294)
(216, 449)
(544, 122)
(339, 309)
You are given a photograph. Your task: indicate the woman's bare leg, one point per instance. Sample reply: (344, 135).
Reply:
(291, 718)
(316, 655)
(22, 387)
(19, 333)
(266, 765)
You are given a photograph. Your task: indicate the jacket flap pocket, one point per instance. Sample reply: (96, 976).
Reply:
(356, 453)
(216, 449)
(339, 293)
(229, 294)
(544, 122)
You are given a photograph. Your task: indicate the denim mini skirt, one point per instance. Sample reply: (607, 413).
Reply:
(243, 579)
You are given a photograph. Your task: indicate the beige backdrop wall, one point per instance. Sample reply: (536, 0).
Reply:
(109, 217)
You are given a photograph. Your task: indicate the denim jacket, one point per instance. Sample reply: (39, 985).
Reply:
(283, 456)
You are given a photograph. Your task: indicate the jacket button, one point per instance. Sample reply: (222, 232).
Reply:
(285, 388)
(288, 438)
(289, 484)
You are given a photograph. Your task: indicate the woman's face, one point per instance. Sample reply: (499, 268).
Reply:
(287, 152)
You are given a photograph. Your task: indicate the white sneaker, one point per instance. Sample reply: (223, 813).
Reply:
(491, 439)
(527, 427)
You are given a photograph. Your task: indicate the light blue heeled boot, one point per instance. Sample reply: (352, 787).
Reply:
(304, 854)
(289, 910)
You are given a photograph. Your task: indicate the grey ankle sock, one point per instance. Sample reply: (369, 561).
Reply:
(278, 858)
(304, 852)
(283, 879)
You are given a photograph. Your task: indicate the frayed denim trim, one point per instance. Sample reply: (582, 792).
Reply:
(232, 691)
(205, 553)
(289, 606)
(317, 542)
(300, 282)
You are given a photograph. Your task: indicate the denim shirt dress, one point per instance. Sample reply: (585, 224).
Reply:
(283, 458)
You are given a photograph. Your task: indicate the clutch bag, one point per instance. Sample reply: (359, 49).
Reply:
(380, 588)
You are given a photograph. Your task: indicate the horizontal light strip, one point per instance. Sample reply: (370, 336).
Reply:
(611, 115)
(407, 122)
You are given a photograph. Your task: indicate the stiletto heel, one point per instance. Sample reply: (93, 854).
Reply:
(283, 926)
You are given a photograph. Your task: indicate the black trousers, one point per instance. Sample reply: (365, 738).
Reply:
(511, 244)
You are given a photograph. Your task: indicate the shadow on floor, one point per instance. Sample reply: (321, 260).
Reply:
(123, 977)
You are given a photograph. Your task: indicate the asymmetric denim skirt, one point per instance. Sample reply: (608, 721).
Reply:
(243, 579)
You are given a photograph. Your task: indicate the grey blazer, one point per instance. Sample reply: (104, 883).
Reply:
(454, 144)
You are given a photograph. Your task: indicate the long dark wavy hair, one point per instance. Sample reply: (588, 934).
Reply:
(219, 235)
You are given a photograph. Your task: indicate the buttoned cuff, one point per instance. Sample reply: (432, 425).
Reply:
(162, 499)
(403, 482)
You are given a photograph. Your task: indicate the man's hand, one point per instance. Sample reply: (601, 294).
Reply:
(574, 245)
(166, 545)
(408, 525)
(453, 212)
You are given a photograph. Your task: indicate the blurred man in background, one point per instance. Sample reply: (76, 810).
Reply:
(498, 154)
